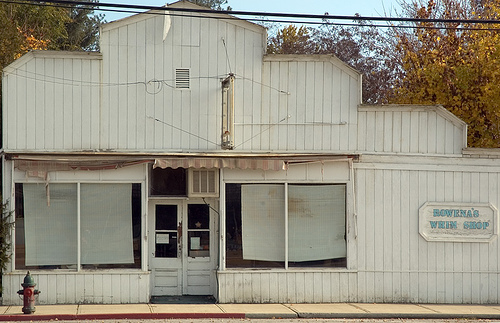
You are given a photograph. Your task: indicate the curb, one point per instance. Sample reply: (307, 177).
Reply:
(429, 316)
(271, 316)
(120, 316)
(166, 316)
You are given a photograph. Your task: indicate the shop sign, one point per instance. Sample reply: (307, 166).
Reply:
(458, 222)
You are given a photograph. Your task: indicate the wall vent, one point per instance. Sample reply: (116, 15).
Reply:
(182, 78)
(203, 182)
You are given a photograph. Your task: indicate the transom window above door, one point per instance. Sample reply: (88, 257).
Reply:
(181, 182)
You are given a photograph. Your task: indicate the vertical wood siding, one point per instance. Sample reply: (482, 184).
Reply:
(398, 265)
(145, 111)
(286, 287)
(394, 263)
(80, 288)
(410, 129)
(52, 103)
(308, 103)
(125, 99)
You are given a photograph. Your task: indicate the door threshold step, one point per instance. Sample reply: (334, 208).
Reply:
(184, 299)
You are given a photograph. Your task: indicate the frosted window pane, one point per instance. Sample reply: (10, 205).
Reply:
(106, 223)
(50, 231)
(263, 222)
(316, 220)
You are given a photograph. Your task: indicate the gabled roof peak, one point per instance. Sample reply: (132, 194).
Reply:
(181, 4)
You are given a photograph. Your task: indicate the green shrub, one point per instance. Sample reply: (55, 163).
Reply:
(5, 231)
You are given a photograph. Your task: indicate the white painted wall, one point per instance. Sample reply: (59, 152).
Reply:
(396, 264)
(51, 101)
(112, 287)
(84, 286)
(124, 99)
(392, 262)
(407, 129)
(147, 115)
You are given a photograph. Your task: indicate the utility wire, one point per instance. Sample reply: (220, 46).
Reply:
(182, 130)
(325, 18)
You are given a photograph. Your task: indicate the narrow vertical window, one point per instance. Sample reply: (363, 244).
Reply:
(228, 113)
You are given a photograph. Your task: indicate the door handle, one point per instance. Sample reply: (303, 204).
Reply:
(179, 230)
(179, 238)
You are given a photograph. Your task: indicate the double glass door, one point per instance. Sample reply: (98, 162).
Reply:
(182, 247)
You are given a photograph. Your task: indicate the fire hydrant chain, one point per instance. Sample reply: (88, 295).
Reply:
(29, 292)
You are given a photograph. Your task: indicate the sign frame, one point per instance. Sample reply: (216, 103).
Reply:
(458, 222)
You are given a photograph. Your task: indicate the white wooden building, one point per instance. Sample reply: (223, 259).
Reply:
(182, 160)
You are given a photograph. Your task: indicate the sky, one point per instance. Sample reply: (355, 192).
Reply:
(377, 8)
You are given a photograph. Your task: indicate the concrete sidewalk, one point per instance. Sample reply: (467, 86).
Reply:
(240, 311)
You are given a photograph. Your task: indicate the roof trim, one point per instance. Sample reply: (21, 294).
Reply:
(93, 155)
(23, 60)
(313, 58)
(183, 4)
(439, 109)
(482, 152)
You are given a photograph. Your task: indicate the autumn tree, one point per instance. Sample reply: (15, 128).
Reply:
(292, 40)
(456, 65)
(364, 48)
(361, 47)
(82, 28)
(212, 4)
(25, 26)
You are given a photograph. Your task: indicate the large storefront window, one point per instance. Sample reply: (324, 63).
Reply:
(48, 219)
(257, 234)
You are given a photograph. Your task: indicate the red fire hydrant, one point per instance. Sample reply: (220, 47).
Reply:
(28, 293)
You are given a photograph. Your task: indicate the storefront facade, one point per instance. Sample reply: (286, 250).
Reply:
(174, 163)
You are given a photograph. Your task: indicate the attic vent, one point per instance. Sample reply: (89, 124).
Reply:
(182, 78)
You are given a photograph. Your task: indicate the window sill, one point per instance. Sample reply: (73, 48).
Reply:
(289, 270)
(119, 271)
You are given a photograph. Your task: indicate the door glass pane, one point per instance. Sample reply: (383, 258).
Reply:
(199, 243)
(166, 231)
(166, 217)
(199, 230)
(198, 216)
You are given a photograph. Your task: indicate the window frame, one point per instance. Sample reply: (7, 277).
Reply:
(348, 213)
(79, 265)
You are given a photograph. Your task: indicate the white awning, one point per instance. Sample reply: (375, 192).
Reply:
(243, 163)
(39, 166)
(58, 165)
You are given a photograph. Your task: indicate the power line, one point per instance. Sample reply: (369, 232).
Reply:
(324, 18)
